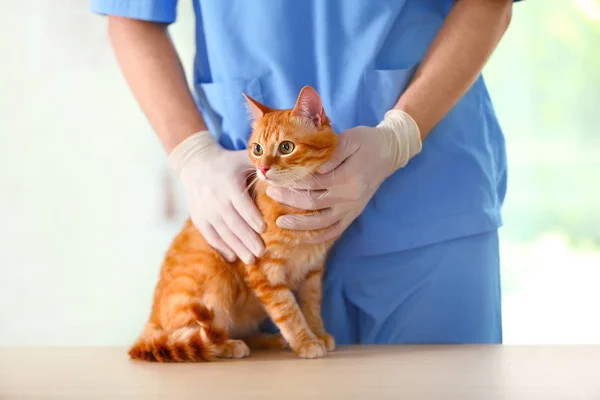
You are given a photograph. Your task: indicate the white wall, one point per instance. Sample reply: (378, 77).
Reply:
(84, 184)
(83, 181)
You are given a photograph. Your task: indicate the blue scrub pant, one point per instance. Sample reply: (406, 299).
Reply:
(446, 292)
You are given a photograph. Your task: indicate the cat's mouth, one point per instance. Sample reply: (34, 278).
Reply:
(280, 177)
(270, 178)
(262, 175)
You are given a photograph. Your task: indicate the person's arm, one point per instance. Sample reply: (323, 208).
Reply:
(154, 73)
(455, 59)
(213, 177)
(369, 155)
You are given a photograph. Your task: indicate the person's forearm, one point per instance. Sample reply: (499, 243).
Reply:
(454, 60)
(154, 74)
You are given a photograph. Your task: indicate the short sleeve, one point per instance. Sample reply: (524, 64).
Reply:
(163, 11)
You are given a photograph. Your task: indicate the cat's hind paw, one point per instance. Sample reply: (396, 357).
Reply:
(234, 349)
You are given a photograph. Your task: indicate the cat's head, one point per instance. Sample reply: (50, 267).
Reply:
(289, 145)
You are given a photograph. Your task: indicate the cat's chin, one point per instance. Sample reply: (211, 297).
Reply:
(280, 181)
(272, 182)
(276, 183)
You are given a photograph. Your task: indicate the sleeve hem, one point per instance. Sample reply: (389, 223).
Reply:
(154, 11)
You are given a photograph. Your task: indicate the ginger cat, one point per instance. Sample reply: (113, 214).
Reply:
(205, 307)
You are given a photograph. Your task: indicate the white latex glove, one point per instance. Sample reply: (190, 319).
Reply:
(220, 208)
(365, 157)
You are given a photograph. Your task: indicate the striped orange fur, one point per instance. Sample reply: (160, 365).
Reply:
(205, 307)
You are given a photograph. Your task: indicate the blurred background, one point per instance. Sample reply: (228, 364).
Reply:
(88, 204)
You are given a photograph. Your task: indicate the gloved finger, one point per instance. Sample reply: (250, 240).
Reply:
(302, 199)
(345, 148)
(249, 212)
(309, 222)
(242, 230)
(241, 157)
(233, 242)
(215, 241)
(341, 175)
(317, 181)
(330, 234)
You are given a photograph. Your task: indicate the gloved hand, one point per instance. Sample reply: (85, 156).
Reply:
(220, 207)
(342, 187)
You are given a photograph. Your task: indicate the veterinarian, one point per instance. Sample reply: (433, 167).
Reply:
(415, 190)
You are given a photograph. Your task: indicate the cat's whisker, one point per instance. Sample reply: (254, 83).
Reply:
(250, 185)
(245, 186)
(249, 171)
(296, 189)
(250, 175)
(298, 173)
(310, 174)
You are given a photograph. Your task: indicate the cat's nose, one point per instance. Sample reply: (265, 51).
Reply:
(264, 169)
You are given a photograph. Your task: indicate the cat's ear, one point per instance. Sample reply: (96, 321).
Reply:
(257, 109)
(308, 105)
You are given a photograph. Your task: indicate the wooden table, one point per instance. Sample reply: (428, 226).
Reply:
(361, 372)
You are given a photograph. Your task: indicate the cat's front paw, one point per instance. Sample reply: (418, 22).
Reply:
(329, 341)
(314, 348)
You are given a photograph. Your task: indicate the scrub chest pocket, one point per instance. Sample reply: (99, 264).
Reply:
(218, 99)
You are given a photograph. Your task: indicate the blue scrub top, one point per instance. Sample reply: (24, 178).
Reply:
(360, 57)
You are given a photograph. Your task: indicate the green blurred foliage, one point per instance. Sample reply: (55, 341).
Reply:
(545, 83)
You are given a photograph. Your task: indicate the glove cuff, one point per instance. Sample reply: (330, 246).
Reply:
(407, 136)
(191, 149)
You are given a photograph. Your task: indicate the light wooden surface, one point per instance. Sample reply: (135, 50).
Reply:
(367, 372)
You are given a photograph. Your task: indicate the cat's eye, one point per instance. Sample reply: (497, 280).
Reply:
(286, 147)
(257, 150)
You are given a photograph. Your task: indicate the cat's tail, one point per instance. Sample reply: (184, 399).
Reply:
(190, 344)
